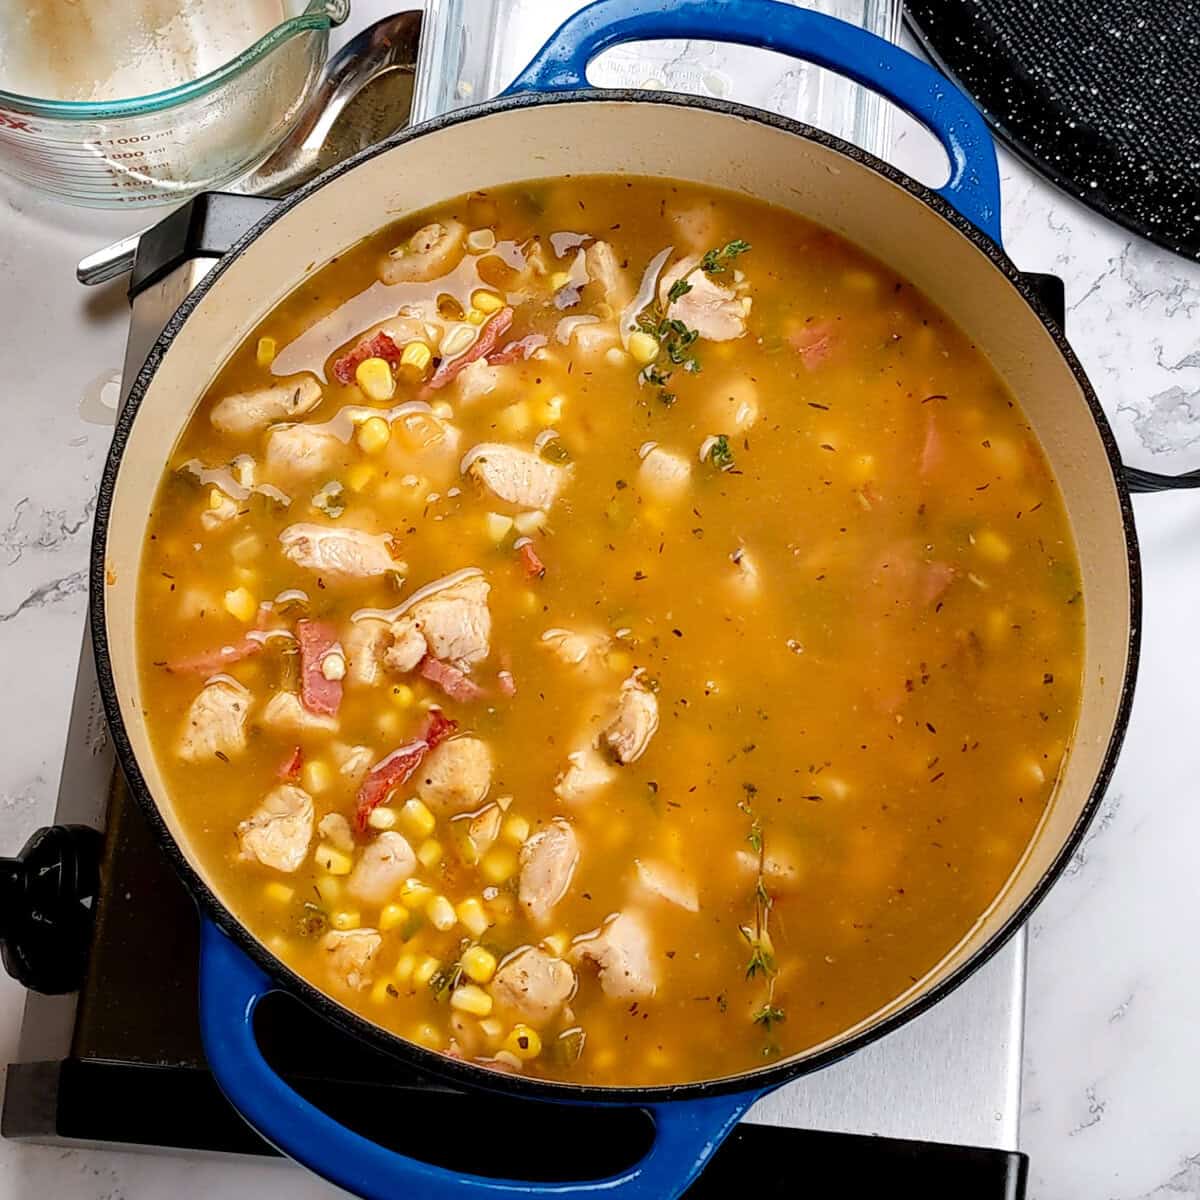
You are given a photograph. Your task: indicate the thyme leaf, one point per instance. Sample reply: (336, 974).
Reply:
(718, 259)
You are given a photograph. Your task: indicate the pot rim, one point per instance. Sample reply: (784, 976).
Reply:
(470, 1074)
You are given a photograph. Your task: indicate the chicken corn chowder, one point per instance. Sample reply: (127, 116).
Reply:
(609, 630)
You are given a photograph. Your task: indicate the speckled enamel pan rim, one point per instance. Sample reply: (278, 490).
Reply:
(468, 1074)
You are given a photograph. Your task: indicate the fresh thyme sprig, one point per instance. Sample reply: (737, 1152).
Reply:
(718, 259)
(762, 952)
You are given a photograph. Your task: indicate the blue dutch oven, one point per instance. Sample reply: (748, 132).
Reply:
(550, 123)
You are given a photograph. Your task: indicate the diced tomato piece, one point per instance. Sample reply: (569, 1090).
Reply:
(458, 685)
(397, 768)
(532, 564)
(379, 346)
(318, 694)
(485, 343)
(290, 767)
(208, 662)
(522, 348)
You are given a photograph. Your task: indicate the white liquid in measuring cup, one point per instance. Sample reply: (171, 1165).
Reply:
(119, 49)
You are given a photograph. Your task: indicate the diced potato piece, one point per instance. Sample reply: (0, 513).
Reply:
(241, 604)
(498, 864)
(515, 829)
(529, 523)
(317, 775)
(279, 893)
(346, 919)
(405, 966)
(382, 818)
(330, 858)
(515, 418)
(329, 888)
(497, 526)
(264, 352)
(992, 546)
(359, 476)
(558, 942)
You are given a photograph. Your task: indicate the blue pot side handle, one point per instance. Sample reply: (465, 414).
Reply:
(231, 986)
(974, 186)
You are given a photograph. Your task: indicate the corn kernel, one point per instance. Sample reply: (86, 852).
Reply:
(392, 916)
(992, 546)
(550, 413)
(499, 864)
(474, 919)
(429, 853)
(416, 819)
(644, 347)
(415, 894)
(329, 888)
(471, 999)
(388, 724)
(374, 376)
(425, 970)
(491, 1028)
(279, 893)
(515, 418)
(317, 776)
(416, 355)
(515, 829)
(529, 523)
(524, 1042)
(558, 943)
(475, 317)
(264, 352)
(426, 1035)
(497, 526)
(615, 357)
(559, 279)
(246, 549)
(373, 435)
(382, 818)
(441, 914)
(359, 476)
(347, 919)
(485, 301)
(383, 991)
(332, 860)
(240, 604)
(478, 964)
(404, 967)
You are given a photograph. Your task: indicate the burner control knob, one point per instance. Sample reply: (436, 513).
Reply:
(47, 902)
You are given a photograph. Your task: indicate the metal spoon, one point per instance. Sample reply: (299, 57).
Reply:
(368, 82)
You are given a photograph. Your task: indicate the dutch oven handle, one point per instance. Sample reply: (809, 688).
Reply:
(685, 1135)
(974, 185)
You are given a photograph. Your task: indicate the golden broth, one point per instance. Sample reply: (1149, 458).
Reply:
(822, 543)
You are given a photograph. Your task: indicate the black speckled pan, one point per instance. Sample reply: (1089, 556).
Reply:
(1101, 97)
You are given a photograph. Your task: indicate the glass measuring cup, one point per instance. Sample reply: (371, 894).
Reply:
(163, 147)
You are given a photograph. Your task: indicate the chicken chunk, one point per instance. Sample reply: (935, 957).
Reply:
(285, 713)
(383, 866)
(351, 956)
(432, 251)
(296, 451)
(344, 552)
(635, 723)
(661, 880)
(574, 649)
(622, 953)
(280, 829)
(715, 312)
(663, 475)
(548, 860)
(451, 620)
(365, 642)
(534, 985)
(478, 379)
(588, 772)
(604, 271)
(456, 776)
(245, 412)
(516, 476)
(352, 761)
(215, 725)
(215, 518)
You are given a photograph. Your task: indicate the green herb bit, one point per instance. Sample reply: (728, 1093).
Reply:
(720, 454)
(717, 260)
(446, 980)
(754, 837)
(666, 398)
(769, 1015)
(312, 921)
(680, 287)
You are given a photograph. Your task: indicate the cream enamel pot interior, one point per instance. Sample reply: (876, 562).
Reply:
(916, 233)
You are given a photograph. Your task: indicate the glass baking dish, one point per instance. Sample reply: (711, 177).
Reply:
(472, 49)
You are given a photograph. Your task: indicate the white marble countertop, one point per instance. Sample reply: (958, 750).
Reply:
(1111, 1053)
